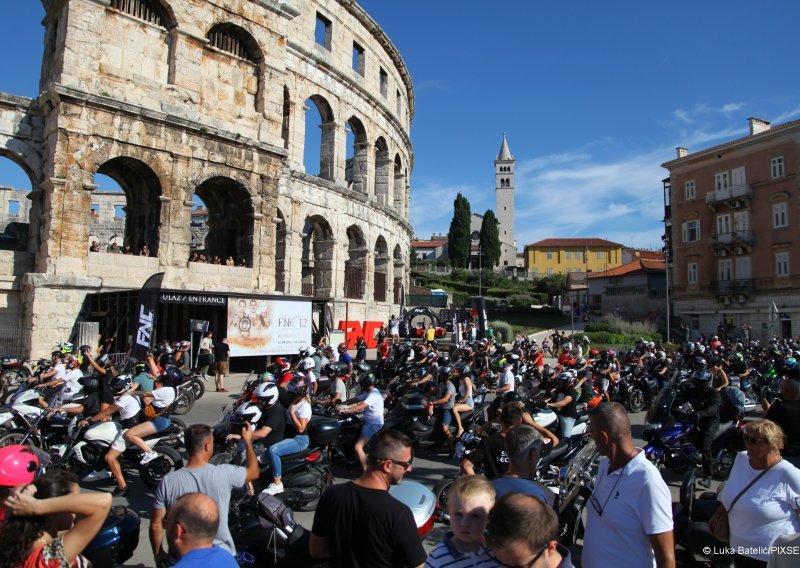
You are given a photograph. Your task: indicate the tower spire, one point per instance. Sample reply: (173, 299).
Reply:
(505, 153)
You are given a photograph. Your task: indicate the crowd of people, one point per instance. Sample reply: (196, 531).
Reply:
(209, 259)
(114, 248)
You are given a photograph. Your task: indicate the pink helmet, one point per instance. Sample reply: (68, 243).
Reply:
(18, 466)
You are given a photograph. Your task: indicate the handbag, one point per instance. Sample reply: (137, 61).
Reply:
(718, 523)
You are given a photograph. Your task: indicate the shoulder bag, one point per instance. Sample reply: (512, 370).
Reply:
(718, 523)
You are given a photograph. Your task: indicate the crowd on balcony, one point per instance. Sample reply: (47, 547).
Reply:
(199, 257)
(114, 248)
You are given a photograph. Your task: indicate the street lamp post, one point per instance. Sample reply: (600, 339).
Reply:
(476, 236)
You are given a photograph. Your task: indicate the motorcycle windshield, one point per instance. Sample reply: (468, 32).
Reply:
(659, 410)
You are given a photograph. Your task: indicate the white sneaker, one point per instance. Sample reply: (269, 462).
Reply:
(274, 488)
(148, 457)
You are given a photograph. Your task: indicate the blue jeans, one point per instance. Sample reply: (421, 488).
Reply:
(284, 448)
(566, 427)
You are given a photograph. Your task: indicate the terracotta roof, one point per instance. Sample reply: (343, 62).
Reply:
(573, 243)
(767, 132)
(427, 244)
(638, 265)
(647, 254)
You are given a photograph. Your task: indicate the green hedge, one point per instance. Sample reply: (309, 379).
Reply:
(607, 337)
(596, 326)
(502, 331)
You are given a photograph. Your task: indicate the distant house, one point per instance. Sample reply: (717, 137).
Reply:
(562, 256)
(637, 290)
(433, 249)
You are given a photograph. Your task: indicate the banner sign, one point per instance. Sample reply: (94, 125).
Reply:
(143, 320)
(192, 299)
(267, 327)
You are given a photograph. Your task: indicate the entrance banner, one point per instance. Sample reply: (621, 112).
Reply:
(267, 327)
(143, 322)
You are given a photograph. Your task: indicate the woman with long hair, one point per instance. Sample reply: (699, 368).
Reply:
(41, 530)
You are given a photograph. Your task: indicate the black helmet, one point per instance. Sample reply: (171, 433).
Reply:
(443, 360)
(172, 377)
(297, 386)
(367, 381)
(90, 384)
(462, 367)
(700, 362)
(566, 380)
(511, 396)
(140, 368)
(331, 370)
(702, 379)
(120, 384)
(104, 361)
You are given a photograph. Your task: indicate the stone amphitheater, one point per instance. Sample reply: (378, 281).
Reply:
(223, 101)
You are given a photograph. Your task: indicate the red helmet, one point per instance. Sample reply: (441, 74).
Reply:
(283, 363)
(342, 347)
(18, 466)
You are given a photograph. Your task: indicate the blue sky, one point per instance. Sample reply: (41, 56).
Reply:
(594, 96)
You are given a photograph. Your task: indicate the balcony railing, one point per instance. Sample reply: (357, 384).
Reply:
(742, 191)
(741, 286)
(743, 237)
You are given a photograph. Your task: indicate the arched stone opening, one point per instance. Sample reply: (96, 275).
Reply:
(355, 266)
(399, 185)
(280, 251)
(381, 273)
(355, 171)
(383, 168)
(136, 221)
(18, 204)
(319, 150)
(229, 221)
(317, 258)
(230, 88)
(399, 266)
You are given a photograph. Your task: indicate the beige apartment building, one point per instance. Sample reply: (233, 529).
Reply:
(731, 221)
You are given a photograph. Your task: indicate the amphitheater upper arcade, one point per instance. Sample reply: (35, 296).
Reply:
(177, 98)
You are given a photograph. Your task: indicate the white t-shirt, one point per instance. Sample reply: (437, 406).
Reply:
(373, 413)
(767, 510)
(163, 397)
(71, 385)
(129, 406)
(61, 370)
(635, 502)
(303, 410)
(507, 378)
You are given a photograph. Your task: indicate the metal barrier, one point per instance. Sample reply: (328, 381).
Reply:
(15, 341)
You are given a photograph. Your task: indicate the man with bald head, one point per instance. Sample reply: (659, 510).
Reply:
(629, 520)
(191, 526)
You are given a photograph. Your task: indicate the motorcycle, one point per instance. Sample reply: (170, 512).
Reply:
(745, 385)
(85, 451)
(116, 540)
(669, 440)
(575, 486)
(13, 372)
(185, 396)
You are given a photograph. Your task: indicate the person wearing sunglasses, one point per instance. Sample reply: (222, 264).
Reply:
(768, 508)
(359, 523)
(629, 521)
(523, 533)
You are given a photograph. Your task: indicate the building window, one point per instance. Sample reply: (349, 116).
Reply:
(234, 40)
(323, 32)
(722, 181)
(689, 188)
(578, 255)
(569, 255)
(358, 59)
(780, 215)
(505, 263)
(725, 269)
(398, 103)
(782, 263)
(549, 271)
(691, 231)
(599, 255)
(146, 10)
(776, 167)
(95, 210)
(549, 256)
(691, 273)
(13, 208)
(384, 83)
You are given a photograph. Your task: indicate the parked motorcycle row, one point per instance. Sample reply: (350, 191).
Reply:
(263, 526)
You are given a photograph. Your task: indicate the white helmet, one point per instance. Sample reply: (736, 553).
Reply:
(308, 351)
(266, 393)
(250, 412)
(306, 364)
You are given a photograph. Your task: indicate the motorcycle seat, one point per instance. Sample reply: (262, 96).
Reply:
(296, 455)
(555, 454)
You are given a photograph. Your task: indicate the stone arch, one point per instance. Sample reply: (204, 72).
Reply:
(355, 265)
(280, 251)
(399, 264)
(19, 204)
(143, 191)
(317, 257)
(381, 269)
(356, 155)
(156, 12)
(237, 41)
(383, 168)
(327, 138)
(399, 184)
(230, 221)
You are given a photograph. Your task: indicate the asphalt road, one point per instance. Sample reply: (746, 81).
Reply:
(427, 469)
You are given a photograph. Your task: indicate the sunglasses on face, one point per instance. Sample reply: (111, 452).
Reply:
(752, 440)
(527, 565)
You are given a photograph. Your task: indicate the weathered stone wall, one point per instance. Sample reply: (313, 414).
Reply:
(168, 109)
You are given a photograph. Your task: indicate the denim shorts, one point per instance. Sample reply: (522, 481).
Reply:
(444, 416)
(368, 430)
(161, 423)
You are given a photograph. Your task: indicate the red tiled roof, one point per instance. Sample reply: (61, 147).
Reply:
(638, 265)
(573, 243)
(767, 132)
(427, 244)
(647, 254)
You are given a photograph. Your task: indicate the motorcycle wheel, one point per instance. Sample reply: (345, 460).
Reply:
(183, 403)
(440, 493)
(635, 400)
(568, 523)
(721, 468)
(15, 437)
(198, 387)
(154, 471)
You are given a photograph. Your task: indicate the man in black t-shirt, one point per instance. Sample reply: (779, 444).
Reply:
(786, 414)
(565, 403)
(491, 452)
(358, 524)
(221, 351)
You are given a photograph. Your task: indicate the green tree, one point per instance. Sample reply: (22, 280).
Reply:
(414, 257)
(552, 285)
(458, 238)
(490, 240)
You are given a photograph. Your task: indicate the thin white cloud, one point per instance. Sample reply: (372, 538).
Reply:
(432, 206)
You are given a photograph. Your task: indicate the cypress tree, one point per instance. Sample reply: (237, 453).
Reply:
(490, 240)
(458, 238)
